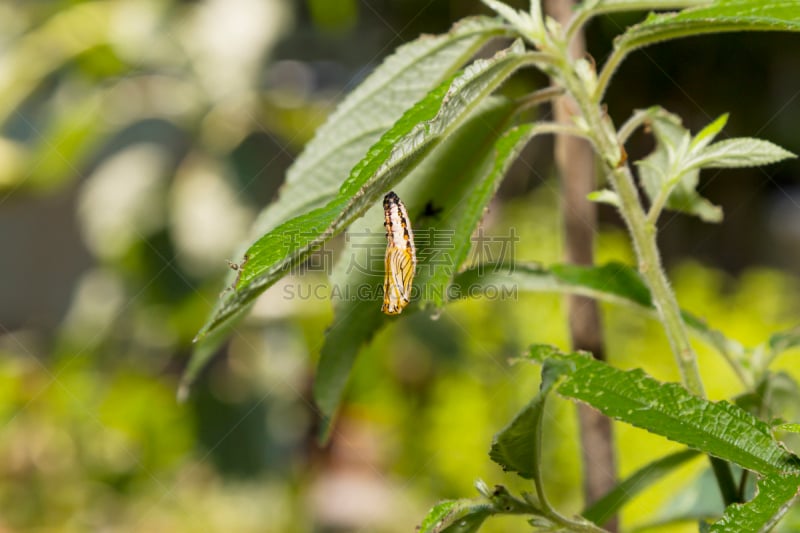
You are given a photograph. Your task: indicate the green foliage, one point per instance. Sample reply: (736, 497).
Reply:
(717, 428)
(370, 110)
(714, 17)
(122, 94)
(517, 448)
(468, 188)
(420, 128)
(466, 516)
(776, 494)
(670, 175)
(456, 516)
(445, 145)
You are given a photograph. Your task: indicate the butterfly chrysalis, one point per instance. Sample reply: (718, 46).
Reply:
(401, 257)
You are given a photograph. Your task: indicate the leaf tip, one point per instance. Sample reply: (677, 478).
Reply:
(183, 392)
(325, 430)
(604, 196)
(542, 352)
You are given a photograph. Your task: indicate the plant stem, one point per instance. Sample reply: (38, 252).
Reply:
(538, 483)
(547, 510)
(538, 97)
(598, 126)
(643, 234)
(632, 124)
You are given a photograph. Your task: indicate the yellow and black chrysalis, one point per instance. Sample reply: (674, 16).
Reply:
(401, 256)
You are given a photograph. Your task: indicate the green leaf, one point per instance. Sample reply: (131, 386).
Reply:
(710, 132)
(672, 170)
(684, 198)
(623, 492)
(356, 320)
(613, 278)
(464, 516)
(445, 196)
(610, 6)
(784, 341)
(776, 494)
(720, 429)
(672, 146)
(720, 16)
(421, 128)
(517, 448)
(456, 516)
(485, 171)
(614, 282)
(791, 428)
(524, 23)
(739, 152)
(366, 113)
(665, 170)
(604, 196)
(360, 318)
(359, 121)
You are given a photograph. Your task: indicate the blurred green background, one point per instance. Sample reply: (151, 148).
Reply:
(139, 140)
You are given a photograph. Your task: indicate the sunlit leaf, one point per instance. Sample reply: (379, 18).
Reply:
(715, 17)
(674, 166)
(604, 196)
(456, 516)
(466, 516)
(522, 21)
(792, 428)
(371, 109)
(720, 428)
(709, 133)
(775, 495)
(610, 6)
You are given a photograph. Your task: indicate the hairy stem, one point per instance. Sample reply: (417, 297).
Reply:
(643, 234)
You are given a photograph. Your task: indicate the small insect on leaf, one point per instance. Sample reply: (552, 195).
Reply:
(401, 256)
(238, 268)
